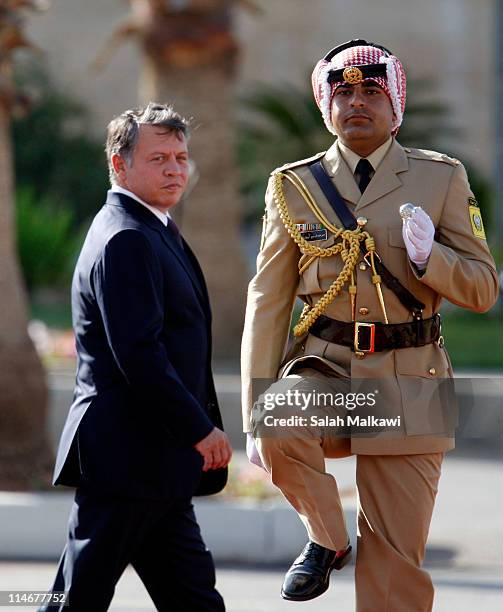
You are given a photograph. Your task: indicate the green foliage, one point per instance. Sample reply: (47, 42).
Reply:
(282, 124)
(474, 340)
(61, 178)
(55, 156)
(426, 124)
(47, 243)
(55, 310)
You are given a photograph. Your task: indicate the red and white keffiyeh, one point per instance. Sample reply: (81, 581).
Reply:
(394, 84)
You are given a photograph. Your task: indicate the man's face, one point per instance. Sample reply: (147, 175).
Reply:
(159, 170)
(362, 115)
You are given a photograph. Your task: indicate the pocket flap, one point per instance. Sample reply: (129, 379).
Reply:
(428, 361)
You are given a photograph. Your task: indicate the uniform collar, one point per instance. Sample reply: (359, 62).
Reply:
(385, 180)
(163, 217)
(375, 158)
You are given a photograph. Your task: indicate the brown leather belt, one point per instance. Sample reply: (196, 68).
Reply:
(373, 337)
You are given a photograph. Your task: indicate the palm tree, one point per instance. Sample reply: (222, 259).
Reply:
(25, 458)
(189, 58)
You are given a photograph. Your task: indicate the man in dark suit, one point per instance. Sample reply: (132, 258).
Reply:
(140, 439)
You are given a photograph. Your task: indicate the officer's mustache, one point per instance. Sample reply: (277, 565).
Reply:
(358, 114)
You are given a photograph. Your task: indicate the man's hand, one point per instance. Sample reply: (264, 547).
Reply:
(252, 452)
(418, 232)
(215, 449)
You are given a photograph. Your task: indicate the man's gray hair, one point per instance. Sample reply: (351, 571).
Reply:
(122, 131)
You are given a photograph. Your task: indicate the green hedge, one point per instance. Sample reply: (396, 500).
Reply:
(474, 340)
(46, 239)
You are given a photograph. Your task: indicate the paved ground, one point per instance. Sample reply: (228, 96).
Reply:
(465, 553)
(257, 590)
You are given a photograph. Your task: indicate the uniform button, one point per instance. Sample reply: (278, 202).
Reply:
(432, 371)
(364, 311)
(362, 221)
(362, 266)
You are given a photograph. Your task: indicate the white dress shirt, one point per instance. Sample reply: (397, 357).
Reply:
(375, 158)
(158, 213)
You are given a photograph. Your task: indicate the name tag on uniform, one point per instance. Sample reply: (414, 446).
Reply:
(312, 231)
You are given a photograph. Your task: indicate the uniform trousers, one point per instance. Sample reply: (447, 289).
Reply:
(161, 540)
(396, 495)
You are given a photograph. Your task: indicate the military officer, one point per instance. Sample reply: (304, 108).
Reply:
(361, 321)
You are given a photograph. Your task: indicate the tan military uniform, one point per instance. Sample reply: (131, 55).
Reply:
(396, 477)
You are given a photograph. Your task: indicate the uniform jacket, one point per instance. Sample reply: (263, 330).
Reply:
(144, 392)
(460, 269)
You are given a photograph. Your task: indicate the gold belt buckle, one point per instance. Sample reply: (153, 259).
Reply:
(371, 346)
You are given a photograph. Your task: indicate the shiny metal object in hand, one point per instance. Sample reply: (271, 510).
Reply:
(407, 210)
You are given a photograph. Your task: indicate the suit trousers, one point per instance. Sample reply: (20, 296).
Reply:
(396, 495)
(161, 540)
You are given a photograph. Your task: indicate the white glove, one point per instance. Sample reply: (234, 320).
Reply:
(418, 232)
(252, 452)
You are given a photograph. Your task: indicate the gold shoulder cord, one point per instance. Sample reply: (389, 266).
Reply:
(348, 248)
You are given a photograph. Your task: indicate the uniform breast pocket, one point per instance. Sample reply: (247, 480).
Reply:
(321, 272)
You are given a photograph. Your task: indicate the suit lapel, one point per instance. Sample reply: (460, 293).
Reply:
(144, 215)
(182, 257)
(386, 178)
(198, 272)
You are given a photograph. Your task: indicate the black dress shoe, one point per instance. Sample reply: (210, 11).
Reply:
(309, 575)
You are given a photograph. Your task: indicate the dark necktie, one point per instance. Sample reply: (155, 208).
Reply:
(363, 171)
(175, 232)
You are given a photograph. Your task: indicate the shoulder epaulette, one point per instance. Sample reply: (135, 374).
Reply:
(300, 162)
(431, 156)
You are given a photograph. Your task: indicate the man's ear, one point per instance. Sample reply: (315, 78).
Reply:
(119, 165)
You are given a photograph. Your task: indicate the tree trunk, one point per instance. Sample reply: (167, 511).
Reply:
(211, 217)
(25, 458)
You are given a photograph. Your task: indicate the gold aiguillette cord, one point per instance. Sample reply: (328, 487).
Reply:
(376, 278)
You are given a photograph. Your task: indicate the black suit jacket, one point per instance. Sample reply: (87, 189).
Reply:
(144, 392)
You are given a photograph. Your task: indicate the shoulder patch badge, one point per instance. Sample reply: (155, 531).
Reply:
(476, 219)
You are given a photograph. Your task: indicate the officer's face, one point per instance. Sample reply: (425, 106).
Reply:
(362, 116)
(159, 168)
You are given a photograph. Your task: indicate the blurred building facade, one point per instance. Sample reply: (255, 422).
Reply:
(448, 41)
